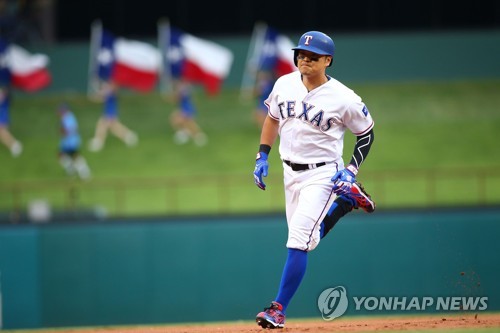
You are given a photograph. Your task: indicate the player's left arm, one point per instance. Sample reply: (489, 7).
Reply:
(362, 148)
(358, 120)
(344, 179)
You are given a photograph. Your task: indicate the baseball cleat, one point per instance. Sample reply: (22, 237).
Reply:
(363, 199)
(271, 317)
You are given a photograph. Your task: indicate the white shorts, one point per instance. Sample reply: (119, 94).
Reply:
(308, 197)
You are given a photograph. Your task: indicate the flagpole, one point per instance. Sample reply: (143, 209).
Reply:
(250, 72)
(95, 42)
(163, 45)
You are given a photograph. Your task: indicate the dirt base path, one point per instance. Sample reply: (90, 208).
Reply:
(351, 324)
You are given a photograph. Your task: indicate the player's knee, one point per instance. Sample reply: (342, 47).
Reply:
(303, 242)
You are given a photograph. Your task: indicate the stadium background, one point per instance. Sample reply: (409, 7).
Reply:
(125, 272)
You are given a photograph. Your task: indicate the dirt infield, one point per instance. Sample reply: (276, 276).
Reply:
(352, 324)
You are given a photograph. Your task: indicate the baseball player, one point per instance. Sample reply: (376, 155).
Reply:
(311, 111)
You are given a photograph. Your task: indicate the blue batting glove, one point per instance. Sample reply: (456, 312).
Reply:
(261, 167)
(343, 180)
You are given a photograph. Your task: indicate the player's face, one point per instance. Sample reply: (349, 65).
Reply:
(310, 63)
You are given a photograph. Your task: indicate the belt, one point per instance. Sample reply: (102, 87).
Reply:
(302, 167)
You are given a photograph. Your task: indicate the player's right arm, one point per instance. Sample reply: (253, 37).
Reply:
(267, 138)
(269, 132)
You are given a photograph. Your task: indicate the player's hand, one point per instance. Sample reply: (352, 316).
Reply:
(343, 180)
(261, 167)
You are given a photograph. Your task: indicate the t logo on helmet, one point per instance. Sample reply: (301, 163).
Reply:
(307, 39)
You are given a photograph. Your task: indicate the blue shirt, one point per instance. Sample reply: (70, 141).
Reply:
(111, 106)
(185, 102)
(70, 140)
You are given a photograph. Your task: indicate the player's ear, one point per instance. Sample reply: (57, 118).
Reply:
(329, 59)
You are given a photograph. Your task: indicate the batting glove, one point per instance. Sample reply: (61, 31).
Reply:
(261, 167)
(344, 179)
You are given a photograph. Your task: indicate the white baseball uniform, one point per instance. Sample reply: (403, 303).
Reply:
(311, 129)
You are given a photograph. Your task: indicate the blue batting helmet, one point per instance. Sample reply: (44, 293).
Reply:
(316, 42)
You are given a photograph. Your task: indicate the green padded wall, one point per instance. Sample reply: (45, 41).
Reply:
(141, 272)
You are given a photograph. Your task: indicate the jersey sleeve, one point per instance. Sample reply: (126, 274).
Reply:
(358, 118)
(272, 107)
(271, 102)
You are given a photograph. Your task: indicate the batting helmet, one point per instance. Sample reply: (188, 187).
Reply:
(316, 42)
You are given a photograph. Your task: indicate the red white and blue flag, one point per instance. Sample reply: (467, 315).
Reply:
(193, 59)
(22, 69)
(276, 53)
(269, 50)
(129, 63)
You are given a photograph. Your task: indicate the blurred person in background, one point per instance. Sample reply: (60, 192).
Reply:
(69, 148)
(109, 121)
(6, 137)
(183, 119)
(263, 86)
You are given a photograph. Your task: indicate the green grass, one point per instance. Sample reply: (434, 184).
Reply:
(420, 127)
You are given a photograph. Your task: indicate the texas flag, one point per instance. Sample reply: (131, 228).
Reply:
(276, 53)
(194, 59)
(129, 63)
(22, 69)
(268, 51)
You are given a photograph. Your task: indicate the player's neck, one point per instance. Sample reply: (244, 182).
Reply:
(313, 82)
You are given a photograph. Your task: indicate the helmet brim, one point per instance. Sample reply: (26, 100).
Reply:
(311, 49)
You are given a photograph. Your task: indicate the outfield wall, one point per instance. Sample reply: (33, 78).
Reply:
(359, 58)
(220, 269)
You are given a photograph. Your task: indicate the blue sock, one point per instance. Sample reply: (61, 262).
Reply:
(294, 271)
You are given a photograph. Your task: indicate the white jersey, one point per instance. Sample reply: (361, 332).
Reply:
(312, 124)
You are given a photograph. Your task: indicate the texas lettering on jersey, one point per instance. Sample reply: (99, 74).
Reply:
(287, 110)
(329, 109)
